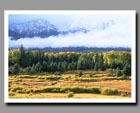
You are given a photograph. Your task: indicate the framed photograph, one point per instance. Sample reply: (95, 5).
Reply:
(64, 56)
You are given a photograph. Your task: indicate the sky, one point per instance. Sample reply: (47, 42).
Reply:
(106, 30)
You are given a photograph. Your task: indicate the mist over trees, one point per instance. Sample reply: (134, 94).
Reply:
(34, 61)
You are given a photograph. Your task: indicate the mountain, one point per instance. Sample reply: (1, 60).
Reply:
(40, 27)
(77, 27)
(14, 35)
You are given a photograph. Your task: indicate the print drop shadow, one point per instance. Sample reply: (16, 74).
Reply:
(93, 104)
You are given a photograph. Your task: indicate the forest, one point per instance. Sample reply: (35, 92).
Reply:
(37, 61)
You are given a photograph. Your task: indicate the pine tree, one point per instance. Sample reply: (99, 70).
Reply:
(44, 66)
(10, 69)
(83, 62)
(38, 67)
(70, 66)
(33, 71)
(22, 56)
(101, 61)
(118, 72)
(96, 67)
(127, 70)
(16, 69)
(96, 58)
(113, 65)
(28, 69)
(103, 67)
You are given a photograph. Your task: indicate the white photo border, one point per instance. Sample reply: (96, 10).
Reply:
(133, 56)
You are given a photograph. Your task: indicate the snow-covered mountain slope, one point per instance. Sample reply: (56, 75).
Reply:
(43, 29)
(78, 27)
(39, 27)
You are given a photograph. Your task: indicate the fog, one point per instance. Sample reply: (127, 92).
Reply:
(116, 35)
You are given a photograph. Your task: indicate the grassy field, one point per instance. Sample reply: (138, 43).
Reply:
(92, 84)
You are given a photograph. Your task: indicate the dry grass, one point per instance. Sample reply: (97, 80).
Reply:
(64, 95)
(121, 85)
(66, 79)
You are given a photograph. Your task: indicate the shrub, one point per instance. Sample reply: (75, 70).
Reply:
(18, 80)
(47, 89)
(24, 83)
(93, 90)
(90, 75)
(70, 94)
(28, 91)
(53, 77)
(14, 89)
(64, 89)
(74, 89)
(80, 74)
(57, 73)
(124, 77)
(19, 91)
(109, 91)
(55, 90)
(77, 89)
(109, 75)
(83, 79)
(11, 94)
(124, 94)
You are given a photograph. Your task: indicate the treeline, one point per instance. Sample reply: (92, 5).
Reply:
(79, 49)
(37, 61)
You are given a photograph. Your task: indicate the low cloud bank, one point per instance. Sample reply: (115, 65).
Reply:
(117, 35)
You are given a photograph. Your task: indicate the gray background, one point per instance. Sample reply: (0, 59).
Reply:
(65, 5)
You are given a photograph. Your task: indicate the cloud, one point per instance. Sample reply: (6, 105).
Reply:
(115, 35)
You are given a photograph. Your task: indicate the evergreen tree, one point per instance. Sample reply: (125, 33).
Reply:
(38, 67)
(28, 69)
(101, 61)
(64, 66)
(16, 69)
(113, 65)
(28, 59)
(127, 70)
(59, 67)
(96, 58)
(96, 67)
(118, 72)
(22, 56)
(51, 62)
(55, 67)
(70, 66)
(44, 66)
(103, 67)
(10, 69)
(83, 62)
(32, 71)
